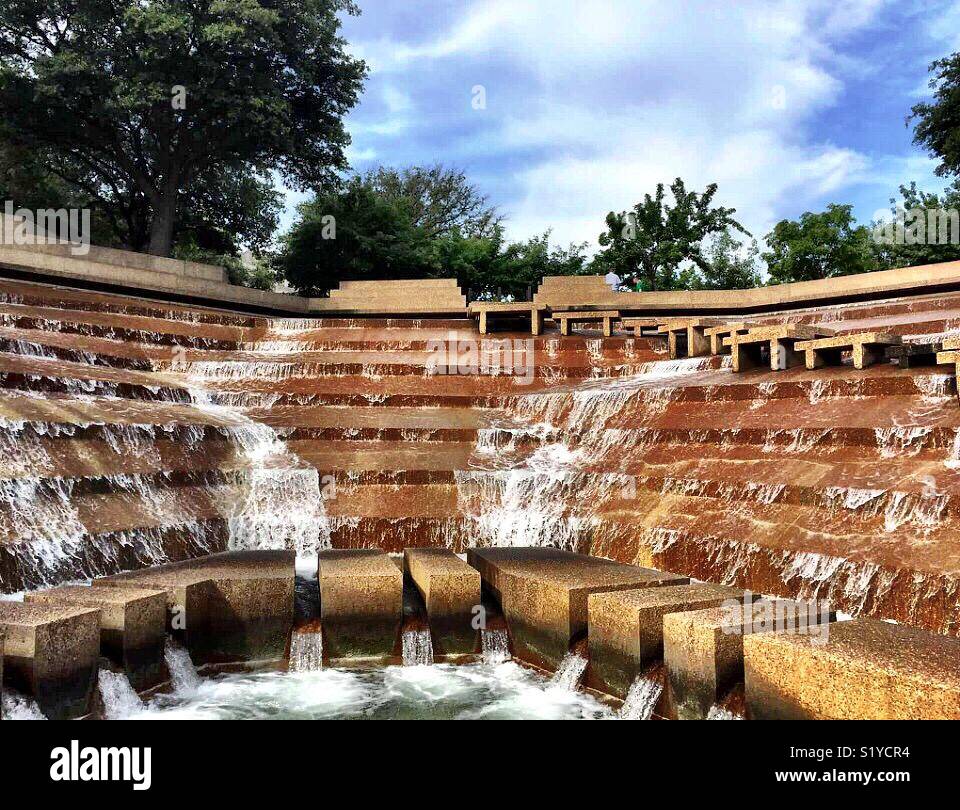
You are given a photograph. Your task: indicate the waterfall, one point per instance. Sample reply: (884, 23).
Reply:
(495, 646)
(19, 707)
(118, 696)
(719, 713)
(183, 674)
(279, 504)
(642, 697)
(570, 672)
(417, 648)
(306, 650)
(547, 498)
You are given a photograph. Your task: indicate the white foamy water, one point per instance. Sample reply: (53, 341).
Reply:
(306, 652)
(495, 645)
(570, 672)
(641, 699)
(417, 648)
(19, 707)
(183, 674)
(441, 691)
(719, 713)
(118, 696)
(278, 504)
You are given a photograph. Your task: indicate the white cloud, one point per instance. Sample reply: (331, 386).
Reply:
(592, 102)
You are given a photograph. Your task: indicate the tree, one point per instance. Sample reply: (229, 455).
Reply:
(938, 122)
(651, 242)
(490, 267)
(440, 200)
(730, 266)
(923, 228)
(364, 232)
(353, 234)
(136, 104)
(820, 245)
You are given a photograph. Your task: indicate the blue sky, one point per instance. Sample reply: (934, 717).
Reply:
(589, 103)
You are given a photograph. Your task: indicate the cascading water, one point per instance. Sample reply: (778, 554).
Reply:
(719, 713)
(495, 645)
(545, 499)
(417, 648)
(15, 706)
(570, 672)
(306, 649)
(643, 696)
(279, 503)
(118, 696)
(183, 674)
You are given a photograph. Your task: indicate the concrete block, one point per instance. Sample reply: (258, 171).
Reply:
(866, 669)
(361, 603)
(703, 649)
(133, 625)
(51, 653)
(236, 606)
(451, 590)
(625, 629)
(190, 596)
(543, 593)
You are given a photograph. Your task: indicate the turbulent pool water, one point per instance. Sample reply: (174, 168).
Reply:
(440, 691)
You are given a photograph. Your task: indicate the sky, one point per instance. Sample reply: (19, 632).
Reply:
(563, 110)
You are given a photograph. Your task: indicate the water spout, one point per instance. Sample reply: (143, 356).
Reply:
(417, 648)
(118, 696)
(183, 674)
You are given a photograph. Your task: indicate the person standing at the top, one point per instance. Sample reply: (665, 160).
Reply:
(612, 280)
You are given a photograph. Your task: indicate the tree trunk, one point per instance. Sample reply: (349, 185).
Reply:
(161, 229)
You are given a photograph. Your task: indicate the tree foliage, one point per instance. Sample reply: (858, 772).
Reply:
(440, 200)
(650, 243)
(820, 245)
(156, 111)
(731, 265)
(937, 125)
(383, 227)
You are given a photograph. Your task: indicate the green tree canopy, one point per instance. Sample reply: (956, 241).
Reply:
(820, 245)
(353, 234)
(155, 110)
(923, 227)
(651, 242)
(937, 125)
(371, 229)
(441, 200)
(730, 266)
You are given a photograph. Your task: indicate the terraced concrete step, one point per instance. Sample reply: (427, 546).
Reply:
(376, 418)
(703, 649)
(43, 374)
(133, 324)
(879, 573)
(36, 294)
(232, 606)
(625, 629)
(20, 408)
(88, 454)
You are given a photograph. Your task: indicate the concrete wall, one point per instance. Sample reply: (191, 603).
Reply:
(188, 280)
